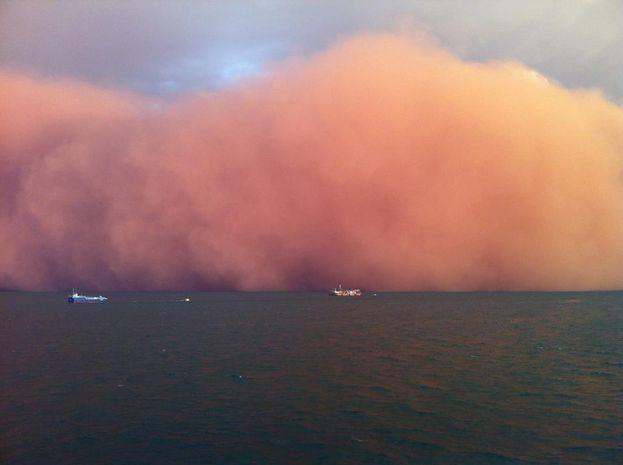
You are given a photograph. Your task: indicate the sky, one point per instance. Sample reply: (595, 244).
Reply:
(429, 145)
(170, 47)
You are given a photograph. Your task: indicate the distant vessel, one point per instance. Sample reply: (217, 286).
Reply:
(76, 298)
(339, 292)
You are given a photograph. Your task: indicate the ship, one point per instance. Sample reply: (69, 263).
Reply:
(339, 292)
(76, 298)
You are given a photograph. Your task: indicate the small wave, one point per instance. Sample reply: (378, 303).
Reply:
(601, 373)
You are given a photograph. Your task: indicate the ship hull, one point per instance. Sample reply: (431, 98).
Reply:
(339, 292)
(86, 300)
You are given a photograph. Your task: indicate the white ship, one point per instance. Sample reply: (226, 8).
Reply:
(76, 298)
(339, 292)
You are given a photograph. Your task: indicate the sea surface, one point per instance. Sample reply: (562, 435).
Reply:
(304, 378)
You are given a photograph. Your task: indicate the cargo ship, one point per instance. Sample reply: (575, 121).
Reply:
(76, 298)
(339, 292)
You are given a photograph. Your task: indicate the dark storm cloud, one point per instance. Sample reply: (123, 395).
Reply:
(171, 46)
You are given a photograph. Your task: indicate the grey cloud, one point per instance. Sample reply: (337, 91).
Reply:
(167, 47)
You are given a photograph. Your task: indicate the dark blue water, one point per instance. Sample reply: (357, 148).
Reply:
(287, 378)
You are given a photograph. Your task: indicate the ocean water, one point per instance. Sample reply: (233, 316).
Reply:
(304, 378)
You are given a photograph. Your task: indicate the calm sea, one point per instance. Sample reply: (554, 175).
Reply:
(304, 378)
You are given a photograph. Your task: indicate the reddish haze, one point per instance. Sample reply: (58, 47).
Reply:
(382, 163)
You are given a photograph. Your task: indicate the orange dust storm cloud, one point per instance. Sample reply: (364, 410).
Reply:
(384, 162)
